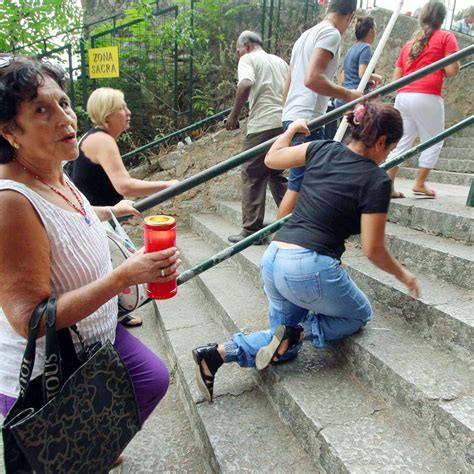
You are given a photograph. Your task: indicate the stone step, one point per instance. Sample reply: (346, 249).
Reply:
(440, 258)
(454, 165)
(459, 142)
(445, 216)
(437, 376)
(239, 431)
(444, 315)
(461, 179)
(467, 132)
(456, 153)
(343, 427)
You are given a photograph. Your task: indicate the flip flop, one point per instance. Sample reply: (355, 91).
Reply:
(130, 321)
(397, 195)
(431, 194)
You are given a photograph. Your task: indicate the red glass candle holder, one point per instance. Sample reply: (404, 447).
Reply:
(160, 234)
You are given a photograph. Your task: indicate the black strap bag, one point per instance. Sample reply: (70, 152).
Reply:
(78, 416)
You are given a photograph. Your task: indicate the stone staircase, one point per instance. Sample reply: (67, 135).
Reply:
(397, 397)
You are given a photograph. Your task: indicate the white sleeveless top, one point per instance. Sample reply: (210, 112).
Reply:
(79, 255)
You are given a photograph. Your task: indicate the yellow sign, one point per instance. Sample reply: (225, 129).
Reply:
(103, 62)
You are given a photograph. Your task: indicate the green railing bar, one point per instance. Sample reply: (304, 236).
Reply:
(464, 66)
(266, 231)
(127, 156)
(242, 157)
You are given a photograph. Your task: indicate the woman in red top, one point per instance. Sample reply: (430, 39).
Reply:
(420, 102)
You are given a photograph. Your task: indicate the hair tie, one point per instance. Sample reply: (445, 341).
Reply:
(359, 112)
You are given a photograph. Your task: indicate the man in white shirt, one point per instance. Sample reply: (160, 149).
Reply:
(465, 24)
(261, 79)
(314, 62)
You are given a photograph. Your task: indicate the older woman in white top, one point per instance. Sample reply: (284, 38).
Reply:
(52, 242)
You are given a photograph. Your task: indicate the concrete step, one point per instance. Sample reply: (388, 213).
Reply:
(343, 427)
(459, 142)
(437, 376)
(461, 179)
(440, 258)
(456, 153)
(454, 165)
(239, 431)
(445, 216)
(467, 132)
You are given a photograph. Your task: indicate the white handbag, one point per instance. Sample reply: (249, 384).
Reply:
(121, 247)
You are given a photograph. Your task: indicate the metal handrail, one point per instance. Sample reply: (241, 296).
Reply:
(270, 229)
(214, 118)
(237, 160)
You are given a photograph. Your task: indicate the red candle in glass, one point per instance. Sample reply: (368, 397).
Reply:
(160, 234)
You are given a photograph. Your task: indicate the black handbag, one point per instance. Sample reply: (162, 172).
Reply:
(78, 416)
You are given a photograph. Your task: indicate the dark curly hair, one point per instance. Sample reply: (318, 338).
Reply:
(20, 78)
(374, 119)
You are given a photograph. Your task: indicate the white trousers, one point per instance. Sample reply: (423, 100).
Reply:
(423, 116)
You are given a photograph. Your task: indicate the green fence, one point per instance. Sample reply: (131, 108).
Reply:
(177, 63)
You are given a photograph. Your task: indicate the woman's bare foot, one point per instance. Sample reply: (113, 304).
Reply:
(397, 195)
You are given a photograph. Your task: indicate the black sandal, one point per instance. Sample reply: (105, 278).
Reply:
(266, 354)
(211, 356)
(130, 321)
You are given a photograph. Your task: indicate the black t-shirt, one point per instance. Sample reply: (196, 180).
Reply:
(338, 186)
(92, 180)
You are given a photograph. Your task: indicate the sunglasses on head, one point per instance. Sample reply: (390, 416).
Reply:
(6, 60)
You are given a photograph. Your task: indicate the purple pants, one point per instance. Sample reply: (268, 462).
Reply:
(149, 374)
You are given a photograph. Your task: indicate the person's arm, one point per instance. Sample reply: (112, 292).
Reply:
(376, 78)
(241, 97)
(373, 246)
(286, 87)
(282, 155)
(121, 209)
(102, 150)
(316, 79)
(397, 74)
(25, 265)
(451, 46)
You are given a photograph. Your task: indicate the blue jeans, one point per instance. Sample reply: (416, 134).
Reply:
(295, 177)
(305, 288)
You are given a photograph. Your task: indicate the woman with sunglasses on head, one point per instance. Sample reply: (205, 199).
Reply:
(344, 193)
(52, 241)
(99, 172)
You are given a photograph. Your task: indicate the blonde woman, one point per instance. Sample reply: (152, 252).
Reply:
(99, 171)
(421, 103)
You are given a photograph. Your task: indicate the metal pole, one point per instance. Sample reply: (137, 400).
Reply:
(371, 66)
(262, 25)
(270, 25)
(242, 157)
(191, 69)
(248, 241)
(83, 73)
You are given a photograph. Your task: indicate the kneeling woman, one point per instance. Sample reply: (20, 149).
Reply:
(344, 193)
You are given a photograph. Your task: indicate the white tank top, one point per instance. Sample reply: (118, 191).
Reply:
(79, 255)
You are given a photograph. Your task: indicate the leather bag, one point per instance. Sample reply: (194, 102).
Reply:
(78, 416)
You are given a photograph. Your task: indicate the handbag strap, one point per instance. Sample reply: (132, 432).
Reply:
(29, 355)
(52, 376)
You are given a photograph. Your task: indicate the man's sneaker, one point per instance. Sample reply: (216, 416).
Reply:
(238, 237)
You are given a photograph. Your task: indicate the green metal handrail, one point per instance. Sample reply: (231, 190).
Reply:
(214, 118)
(270, 229)
(240, 158)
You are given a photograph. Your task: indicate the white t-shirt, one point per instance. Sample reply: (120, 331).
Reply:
(301, 101)
(267, 73)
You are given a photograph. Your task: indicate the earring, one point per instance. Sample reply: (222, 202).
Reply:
(15, 145)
